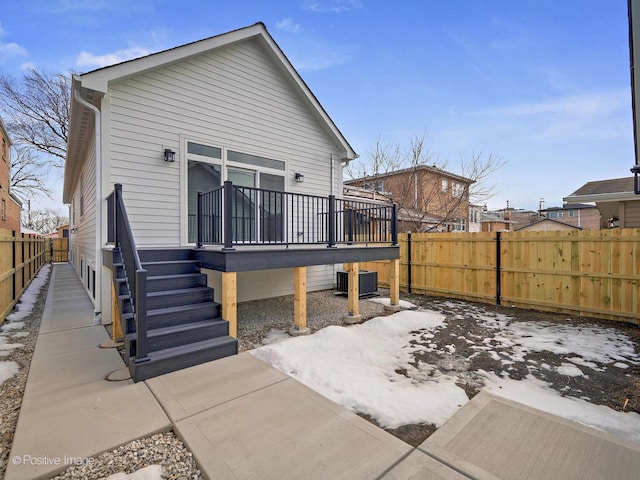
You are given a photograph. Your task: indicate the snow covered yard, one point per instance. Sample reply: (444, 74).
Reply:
(412, 371)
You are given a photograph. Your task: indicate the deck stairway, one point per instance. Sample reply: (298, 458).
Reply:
(184, 323)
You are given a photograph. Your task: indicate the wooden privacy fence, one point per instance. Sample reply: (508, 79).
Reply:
(58, 249)
(587, 272)
(21, 257)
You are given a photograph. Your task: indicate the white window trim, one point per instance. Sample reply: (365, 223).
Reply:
(224, 163)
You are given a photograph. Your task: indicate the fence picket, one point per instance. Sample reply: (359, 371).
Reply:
(21, 257)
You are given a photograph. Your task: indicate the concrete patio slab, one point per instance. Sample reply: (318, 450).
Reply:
(65, 341)
(506, 439)
(418, 466)
(190, 391)
(287, 431)
(67, 305)
(67, 370)
(56, 429)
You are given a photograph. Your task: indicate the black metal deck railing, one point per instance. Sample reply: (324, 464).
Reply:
(234, 215)
(119, 232)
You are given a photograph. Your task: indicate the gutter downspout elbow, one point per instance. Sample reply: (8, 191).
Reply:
(98, 241)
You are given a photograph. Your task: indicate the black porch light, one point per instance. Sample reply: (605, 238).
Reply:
(169, 155)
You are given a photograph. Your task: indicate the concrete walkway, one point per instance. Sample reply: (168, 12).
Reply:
(243, 419)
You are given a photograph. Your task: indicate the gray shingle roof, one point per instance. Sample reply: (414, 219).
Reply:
(605, 186)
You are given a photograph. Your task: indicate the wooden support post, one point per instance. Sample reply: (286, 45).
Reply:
(394, 286)
(299, 302)
(229, 302)
(116, 327)
(353, 294)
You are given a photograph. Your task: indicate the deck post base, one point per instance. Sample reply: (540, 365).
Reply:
(111, 344)
(352, 319)
(392, 308)
(296, 331)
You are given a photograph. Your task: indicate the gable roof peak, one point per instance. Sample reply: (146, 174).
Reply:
(99, 78)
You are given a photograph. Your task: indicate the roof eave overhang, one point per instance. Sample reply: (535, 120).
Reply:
(80, 122)
(99, 80)
(602, 197)
(347, 153)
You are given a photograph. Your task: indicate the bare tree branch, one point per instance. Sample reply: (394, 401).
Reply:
(429, 196)
(29, 173)
(44, 221)
(479, 169)
(36, 110)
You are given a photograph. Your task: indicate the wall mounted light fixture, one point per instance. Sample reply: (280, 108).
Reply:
(299, 177)
(169, 155)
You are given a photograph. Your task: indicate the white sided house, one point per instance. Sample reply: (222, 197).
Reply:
(202, 176)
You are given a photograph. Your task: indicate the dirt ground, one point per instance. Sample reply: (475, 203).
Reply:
(457, 349)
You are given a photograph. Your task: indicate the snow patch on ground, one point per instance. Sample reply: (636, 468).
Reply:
(275, 336)
(367, 369)
(7, 327)
(151, 472)
(8, 370)
(370, 368)
(14, 324)
(570, 370)
(387, 302)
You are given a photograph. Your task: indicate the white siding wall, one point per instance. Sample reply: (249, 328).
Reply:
(83, 242)
(233, 98)
(272, 283)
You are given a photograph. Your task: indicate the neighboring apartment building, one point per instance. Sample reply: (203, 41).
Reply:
(437, 200)
(507, 219)
(580, 215)
(10, 204)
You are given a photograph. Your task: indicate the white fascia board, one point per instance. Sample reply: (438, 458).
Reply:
(99, 79)
(348, 153)
(602, 197)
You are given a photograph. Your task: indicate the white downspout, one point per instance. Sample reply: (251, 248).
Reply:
(97, 130)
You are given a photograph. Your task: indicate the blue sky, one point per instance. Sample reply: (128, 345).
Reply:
(543, 84)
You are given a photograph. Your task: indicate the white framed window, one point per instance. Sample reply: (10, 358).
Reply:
(208, 166)
(445, 185)
(457, 189)
(460, 225)
(3, 209)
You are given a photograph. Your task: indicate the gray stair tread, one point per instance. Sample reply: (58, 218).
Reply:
(182, 308)
(169, 262)
(175, 275)
(181, 327)
(191, 347)
(180, 291)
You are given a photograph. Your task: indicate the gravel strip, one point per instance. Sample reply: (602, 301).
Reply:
(164, 449)
(256, 319)
(11, 390)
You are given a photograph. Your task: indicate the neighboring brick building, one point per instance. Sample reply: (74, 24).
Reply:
(10, 204)
(429, 192)
(580, 215)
